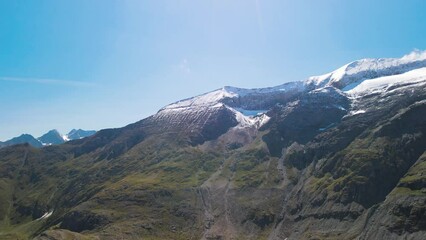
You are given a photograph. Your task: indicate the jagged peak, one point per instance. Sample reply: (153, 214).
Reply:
(55, 131)
(27, 135)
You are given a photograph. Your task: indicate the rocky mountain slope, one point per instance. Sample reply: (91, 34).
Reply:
(52, 137)
(78, 134)
(338, 156)
(24, 138)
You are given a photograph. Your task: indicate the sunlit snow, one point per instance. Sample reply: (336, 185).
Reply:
(46, 215)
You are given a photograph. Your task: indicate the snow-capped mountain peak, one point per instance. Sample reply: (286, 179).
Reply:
(344, 78)
(355, 72)
(207, 99)
(232, 107)
(51, 137)
(227, 94)
(78, 134)
(416, 76)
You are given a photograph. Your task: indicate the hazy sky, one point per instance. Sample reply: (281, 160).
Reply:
(101, 64)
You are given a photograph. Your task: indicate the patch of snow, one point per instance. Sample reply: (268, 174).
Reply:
(263, 120)
(322, 90)
(65, 137)
(207, 99)
(215, 97)
(351, 75)
(332, 76)
(420, 102)
(352, 85)
(381, 83)
(351, 113)
(249, 121)
(317, 80)
(45, 215)
(340, 107)
(290, 86)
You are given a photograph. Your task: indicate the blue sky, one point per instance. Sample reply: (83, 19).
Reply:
(97, 64)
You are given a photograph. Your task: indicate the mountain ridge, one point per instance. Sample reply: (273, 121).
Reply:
(52, 137)
(359, 70)
(296, 161)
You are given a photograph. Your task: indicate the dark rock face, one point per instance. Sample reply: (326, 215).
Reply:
(204, 124)
(79, 221)
(340, 178)
(80, 133)
(402, 214)
(216, 125)
(300, 121)
(52, 137)
(24, 138)
(35, 210)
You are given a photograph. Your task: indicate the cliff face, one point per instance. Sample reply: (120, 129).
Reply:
(350, 180)
(304, 160)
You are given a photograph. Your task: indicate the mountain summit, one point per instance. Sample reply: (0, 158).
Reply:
(249, 107)
(51, 137)
(24, 138)
(79, 133)
(337, 156)
(351, 74)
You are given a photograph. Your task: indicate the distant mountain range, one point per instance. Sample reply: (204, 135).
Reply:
(52, 137)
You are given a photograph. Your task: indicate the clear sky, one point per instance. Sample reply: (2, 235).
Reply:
(96, 64)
